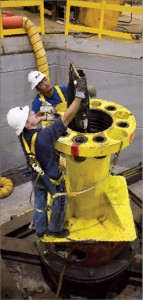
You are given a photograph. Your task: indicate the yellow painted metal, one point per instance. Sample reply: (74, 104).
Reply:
(37, 44)
(111, 137)
(92, 17)
(101, 19)
(17, 3)
(103, 215)
(103, 7)
(129, 9)
(99, 206)
(1, 31)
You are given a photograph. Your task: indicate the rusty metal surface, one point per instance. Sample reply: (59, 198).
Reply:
(100, 273)
(91, 254)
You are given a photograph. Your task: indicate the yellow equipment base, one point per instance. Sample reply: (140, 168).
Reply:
(114, 223)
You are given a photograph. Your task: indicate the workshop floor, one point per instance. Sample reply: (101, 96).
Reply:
(126, 22)
(32, 283)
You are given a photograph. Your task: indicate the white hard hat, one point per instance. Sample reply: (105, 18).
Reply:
(34, 77)
(17, 118)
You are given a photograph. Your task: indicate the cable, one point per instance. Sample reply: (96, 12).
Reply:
(124, 29)
(127, 22)
(131, 32)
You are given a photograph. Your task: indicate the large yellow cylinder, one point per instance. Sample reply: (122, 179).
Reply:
(98, 206)
(91, 16)
(87, 178)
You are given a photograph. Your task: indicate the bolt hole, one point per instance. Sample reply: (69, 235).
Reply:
(77, 255)
(110, 107)
(99, 139)
(123, 125)
(80, 139)
(99, 121)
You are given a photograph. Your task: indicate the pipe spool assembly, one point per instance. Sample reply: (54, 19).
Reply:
(102, 241)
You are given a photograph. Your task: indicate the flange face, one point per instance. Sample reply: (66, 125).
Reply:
(112, 128)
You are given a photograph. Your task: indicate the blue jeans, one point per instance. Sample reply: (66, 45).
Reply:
(58, 211)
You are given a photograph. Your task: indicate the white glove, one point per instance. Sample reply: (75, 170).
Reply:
(48, 108)
(51, 117)
(81, 87)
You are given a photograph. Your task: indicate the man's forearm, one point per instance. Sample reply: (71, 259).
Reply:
(71, 112)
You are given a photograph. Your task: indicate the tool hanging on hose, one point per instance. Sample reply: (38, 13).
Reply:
(81, 120)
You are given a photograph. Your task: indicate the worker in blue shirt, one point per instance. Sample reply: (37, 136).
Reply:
(41, 142)
(47, 94)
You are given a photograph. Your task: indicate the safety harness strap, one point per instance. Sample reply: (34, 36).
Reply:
(60, 93)
(27, 149)
(33, 142)
(42, 98)
(35, 165)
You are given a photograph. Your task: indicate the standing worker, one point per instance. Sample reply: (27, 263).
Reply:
(39, 143)
(47, 94)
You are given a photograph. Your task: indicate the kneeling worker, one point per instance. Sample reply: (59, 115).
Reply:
(40, 142)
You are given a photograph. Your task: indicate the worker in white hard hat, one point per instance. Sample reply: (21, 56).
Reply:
(49, 95)
(35, 141)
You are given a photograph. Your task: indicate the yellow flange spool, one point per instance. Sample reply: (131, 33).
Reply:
(6, 187)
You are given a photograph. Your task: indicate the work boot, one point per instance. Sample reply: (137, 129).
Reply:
(62, 234)
(40, 234)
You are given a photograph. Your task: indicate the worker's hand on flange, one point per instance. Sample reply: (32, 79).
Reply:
(48, 108)
(81, 87)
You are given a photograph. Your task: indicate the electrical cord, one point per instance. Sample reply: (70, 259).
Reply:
(74, 34)
(134, 34)
(127, 22)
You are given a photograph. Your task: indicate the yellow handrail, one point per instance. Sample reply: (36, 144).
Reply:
(17, 3)
(102, 6)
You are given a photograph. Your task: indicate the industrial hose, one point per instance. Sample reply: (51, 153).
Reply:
(9, 20)
(37, 44)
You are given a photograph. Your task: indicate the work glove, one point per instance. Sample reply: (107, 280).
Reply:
(80, 87)
(48, 108)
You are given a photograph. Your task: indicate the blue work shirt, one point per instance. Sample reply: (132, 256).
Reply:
(54, 100)
(44, 146)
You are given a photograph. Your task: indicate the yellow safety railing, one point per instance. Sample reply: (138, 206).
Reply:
(15, 4)
(103, 6)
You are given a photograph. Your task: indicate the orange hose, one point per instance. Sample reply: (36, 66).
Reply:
(12, 22)
(7, 13)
